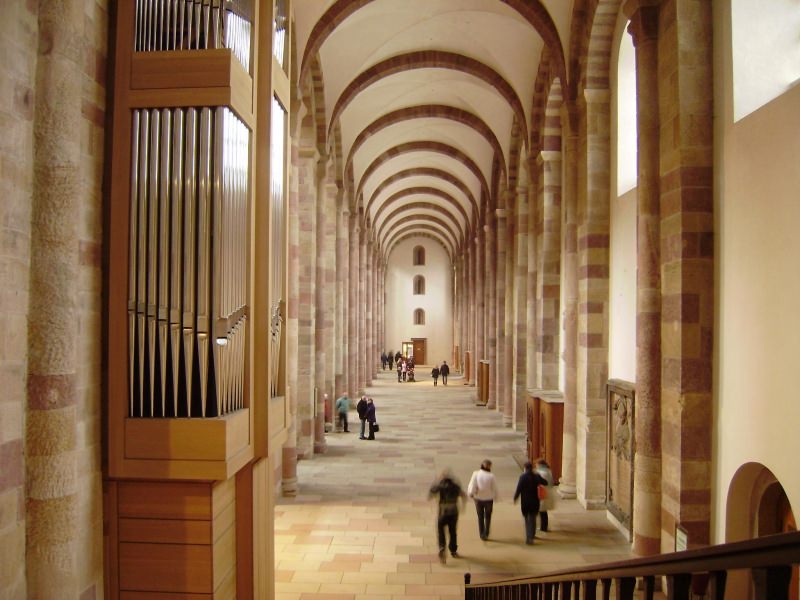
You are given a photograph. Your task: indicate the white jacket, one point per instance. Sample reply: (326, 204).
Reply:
(482, 486)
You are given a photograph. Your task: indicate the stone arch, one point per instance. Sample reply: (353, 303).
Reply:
(427, 59)
(424, 171)
(393, 236)
(534, 12)
(416, 234)
(429, 111)
(416, 206)
(423, 190)
(423, 146)
(444, 226)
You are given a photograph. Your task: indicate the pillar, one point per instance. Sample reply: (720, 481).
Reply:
(500, 306)
(520, 380)
(362, 306)
(353, 386)
(490, 240)
(507, 374)
(647, 466)
(320, 309)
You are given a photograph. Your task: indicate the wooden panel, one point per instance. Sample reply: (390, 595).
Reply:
(166, 568)
(227, 589)
(224, 556)
(172, 531)
(165, 500)
(187, 469)
(196, 69)
(163, 596)
(188, 439)
(244, 532)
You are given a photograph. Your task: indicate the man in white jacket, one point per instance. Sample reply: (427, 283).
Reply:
(482, 489)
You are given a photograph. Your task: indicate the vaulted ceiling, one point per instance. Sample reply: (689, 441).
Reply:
(425, 98)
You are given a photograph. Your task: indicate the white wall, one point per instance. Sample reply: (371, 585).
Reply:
(757, 249)
(437, 302)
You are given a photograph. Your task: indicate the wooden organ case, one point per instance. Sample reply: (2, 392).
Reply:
(196, 285)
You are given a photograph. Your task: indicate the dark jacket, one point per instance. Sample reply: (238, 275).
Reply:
(361, 408)
(370, 413)
(444, 370)
(435, 372)
(528, 488)
(449, 493)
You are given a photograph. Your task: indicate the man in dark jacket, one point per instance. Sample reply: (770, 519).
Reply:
(528, 488)
(444, 371)
(361, 408)
(449, 492)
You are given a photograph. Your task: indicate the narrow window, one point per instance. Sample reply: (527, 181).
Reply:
(419, 317)
(419, 285)
(419, 255)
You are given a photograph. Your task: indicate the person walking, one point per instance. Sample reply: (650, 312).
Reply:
(361, 408)
(390, 359)
(384, 361)
(342, 406)
(399, 371)
(528, 487)
(404, 369)
(444, 371)
(482, 489)
(549, 500)
(435, 375)
(449, 494)
(371, 419)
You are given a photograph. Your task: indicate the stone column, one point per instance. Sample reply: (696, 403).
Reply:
(532, 327)
(687, 267)
(342, 266)
(470, 308)
(332, 200)
(593, 252)
(490, 239)
(353, 387)
(508, 372)
(520, 380)
(289, 450)
(321, 309)
(548, 289)
(306, 310)
(500, 306)
(567, 485)
(370, 297)
(362, 306)
(51, 422)
(480, 301)
(462, 303)
(647, 466)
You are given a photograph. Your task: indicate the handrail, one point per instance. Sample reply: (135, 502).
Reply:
(771, 555)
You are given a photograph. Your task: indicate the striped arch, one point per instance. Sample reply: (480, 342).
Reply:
(423, 171)
(420, 191)
(416, 234)
(533, 11)
(423, 146)
(427, 59)
(415, 206)
(397, 231)
(446, 226)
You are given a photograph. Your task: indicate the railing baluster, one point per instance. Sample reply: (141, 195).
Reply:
(588, 590)
(678, 586)
(606, 584)
(716, 588)
(772, 583)
(624, 588)
(649, 586)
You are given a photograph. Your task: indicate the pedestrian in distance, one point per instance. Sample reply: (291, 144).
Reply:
(482, 489)
(449, 493)
(528, 488)
(373, 424)
(342, 406)
(444, 371)
(435, 375)
(384, 361)
(399, 371)
(361, 408)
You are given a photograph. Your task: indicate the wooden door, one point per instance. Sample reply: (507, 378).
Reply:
(419, 351)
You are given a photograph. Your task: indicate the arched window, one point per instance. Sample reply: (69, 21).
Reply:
(626, 116)
(419, 255)
(419, 285)
(419, 317)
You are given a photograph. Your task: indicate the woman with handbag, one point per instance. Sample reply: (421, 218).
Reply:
(528, 488)
(546, 497)
(373, 424)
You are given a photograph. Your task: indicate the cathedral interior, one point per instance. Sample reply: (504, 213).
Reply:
(216, 216)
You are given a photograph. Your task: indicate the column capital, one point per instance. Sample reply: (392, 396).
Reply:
(500, 213)
(596, 95)
(644, 19)
(547, 155)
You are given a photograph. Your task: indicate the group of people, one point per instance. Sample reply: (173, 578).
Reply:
(534, 488)
(405, 369)
(366, 414)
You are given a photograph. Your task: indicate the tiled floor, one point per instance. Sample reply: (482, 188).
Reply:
(362, 527)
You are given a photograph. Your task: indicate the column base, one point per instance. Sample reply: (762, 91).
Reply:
(289, 487)
(567, 491)
(507, 421)
(320, 447)
(491, 405)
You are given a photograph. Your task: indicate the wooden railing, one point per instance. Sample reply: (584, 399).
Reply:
(702, 572)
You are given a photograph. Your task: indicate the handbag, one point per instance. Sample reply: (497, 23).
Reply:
(542, 492)
(376, 427)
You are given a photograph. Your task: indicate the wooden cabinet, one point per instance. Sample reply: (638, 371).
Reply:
(483, 382)
(546, 428)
